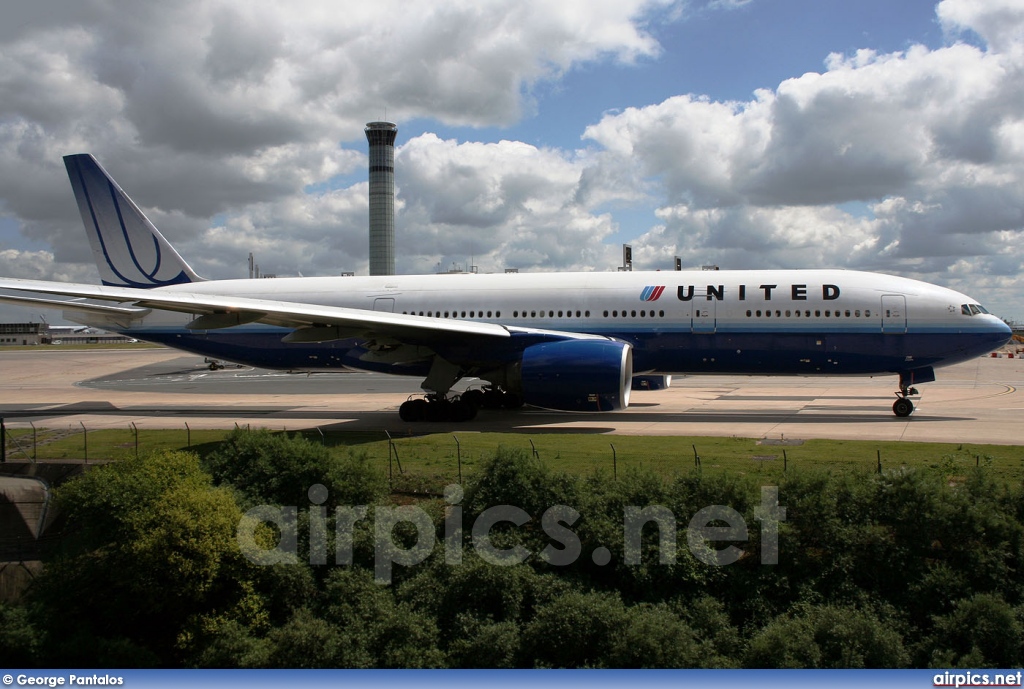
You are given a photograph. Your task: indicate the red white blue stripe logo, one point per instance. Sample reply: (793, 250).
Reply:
(652, 292)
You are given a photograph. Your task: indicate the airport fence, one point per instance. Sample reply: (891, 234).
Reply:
(413, 459)
(421, 459)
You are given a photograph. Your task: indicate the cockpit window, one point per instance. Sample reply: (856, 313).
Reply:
(972, 309)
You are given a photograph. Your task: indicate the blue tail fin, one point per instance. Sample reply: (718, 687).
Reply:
(129, 250)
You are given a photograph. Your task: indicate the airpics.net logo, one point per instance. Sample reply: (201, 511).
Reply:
(714, 534)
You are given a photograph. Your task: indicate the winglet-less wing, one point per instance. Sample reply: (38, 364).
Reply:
(129, 312)
(233, 310)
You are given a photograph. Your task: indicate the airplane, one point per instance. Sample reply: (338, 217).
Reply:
(576, 342)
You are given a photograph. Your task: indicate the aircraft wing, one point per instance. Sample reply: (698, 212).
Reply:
(312, 323)
(74, 305)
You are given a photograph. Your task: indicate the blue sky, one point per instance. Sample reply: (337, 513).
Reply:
(777, 134)
(724, 54)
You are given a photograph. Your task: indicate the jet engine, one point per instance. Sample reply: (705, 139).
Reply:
(577, 375)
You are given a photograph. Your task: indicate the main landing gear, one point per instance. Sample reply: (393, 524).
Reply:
(492, 398)
(434, 407)
(903, 407)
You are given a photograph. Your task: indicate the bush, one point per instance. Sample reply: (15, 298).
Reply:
(278, 469)
(827, 636)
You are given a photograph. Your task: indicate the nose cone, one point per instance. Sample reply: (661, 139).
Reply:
(998, 332)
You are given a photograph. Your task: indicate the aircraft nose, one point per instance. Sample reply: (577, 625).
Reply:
(1001, 332)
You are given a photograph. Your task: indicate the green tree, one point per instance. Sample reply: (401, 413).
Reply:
(278, 469)
(826, 636)
(19, 637)
(576, 629)
(653, 637)
(483, 643)
(151, 554)
(981, 631)
(375, 629)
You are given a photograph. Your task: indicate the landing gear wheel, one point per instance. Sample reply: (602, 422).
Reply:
(436, 409)
(902, 407)
(460, 410)
(474, 397)
(413, 410)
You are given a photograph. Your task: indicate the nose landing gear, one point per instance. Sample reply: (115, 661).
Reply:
(903, 407)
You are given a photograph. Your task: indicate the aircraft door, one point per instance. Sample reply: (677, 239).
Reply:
(704, 317)
(384, 304)
(894, 314)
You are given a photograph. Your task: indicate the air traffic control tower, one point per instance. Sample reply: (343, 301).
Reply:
(381, 136)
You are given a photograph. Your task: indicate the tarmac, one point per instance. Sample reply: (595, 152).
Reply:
(981, 401)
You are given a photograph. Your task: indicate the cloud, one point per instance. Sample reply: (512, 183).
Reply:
(218, 116)
(997, 22)
(925, 145)
(237, 126)
(40, 265)
(506, 204)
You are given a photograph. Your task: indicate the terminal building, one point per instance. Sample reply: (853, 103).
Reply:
(24, 334)
(27, 334)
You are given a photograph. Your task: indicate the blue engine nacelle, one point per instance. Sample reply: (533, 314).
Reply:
(577, 375)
